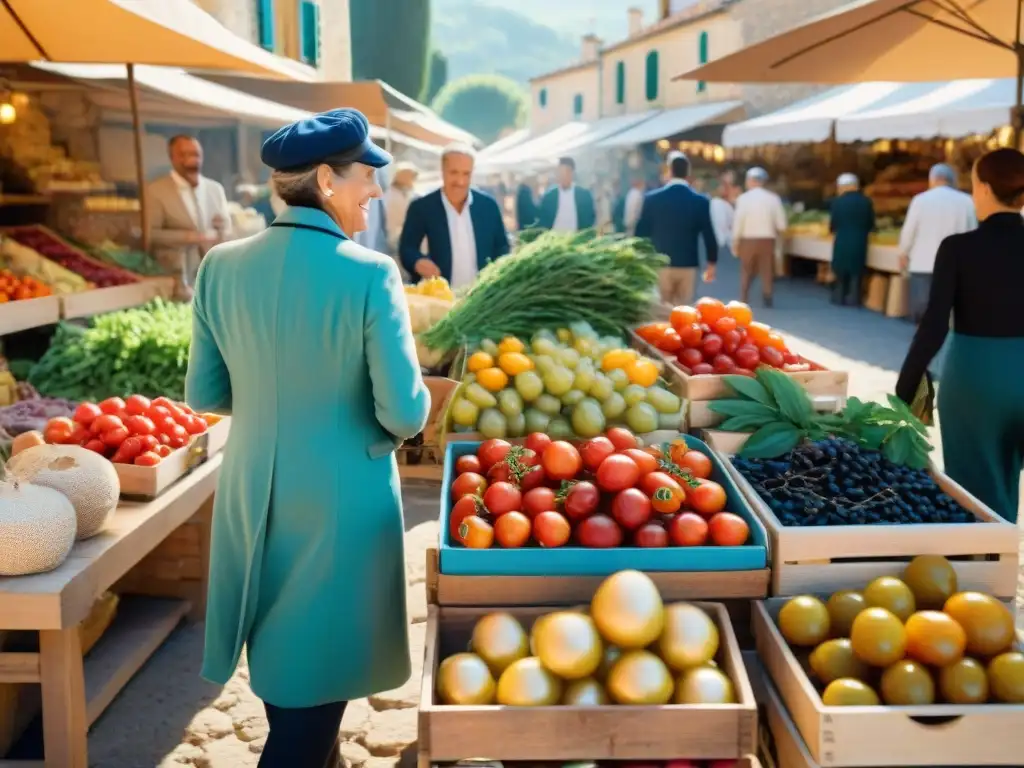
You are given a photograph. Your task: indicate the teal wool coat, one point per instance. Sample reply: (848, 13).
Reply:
(304, 338)
(852, 220)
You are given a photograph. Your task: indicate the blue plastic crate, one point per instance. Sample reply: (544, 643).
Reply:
(570, 560)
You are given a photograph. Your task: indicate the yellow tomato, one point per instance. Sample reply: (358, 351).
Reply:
(617, 358)
(514, 363)
(492, 379)
(642, 372)
(478, 361)
(510, 344)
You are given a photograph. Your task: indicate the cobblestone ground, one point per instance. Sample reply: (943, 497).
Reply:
(168, 717)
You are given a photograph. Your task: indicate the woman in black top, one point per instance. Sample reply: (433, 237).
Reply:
(979, 278)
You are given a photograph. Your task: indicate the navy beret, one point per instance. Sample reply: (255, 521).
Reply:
(328, 134)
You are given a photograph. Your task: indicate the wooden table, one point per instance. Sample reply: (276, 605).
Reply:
(75, 692)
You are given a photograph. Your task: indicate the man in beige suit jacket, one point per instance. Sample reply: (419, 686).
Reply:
(188, 213)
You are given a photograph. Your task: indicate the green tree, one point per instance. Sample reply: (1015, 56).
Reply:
(437, 76)
(484, 105)
(391, 42)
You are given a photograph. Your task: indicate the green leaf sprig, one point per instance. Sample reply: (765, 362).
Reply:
(780, 415)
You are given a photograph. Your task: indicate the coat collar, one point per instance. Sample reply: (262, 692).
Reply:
(309, 217)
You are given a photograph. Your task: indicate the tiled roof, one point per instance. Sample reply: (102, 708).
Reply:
(577, 66)
(695, 12)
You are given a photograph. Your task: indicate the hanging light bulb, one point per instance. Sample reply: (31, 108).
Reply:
(8, 114)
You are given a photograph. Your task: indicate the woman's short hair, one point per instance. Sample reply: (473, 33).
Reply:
(1003, 171)
(298, 187)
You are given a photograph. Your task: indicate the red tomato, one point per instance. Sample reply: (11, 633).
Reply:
(728, 530)
(464, 507)
(106, 423)
(708, 498)
(651, 535)
(691, 334)
(790, 358)
(581, 500)
(96, 446)
(179, 437)
(712, 345)
(158, 413)
(519, 457)
(149, 442)
(747, 356)
(476, 533)
(664, 501)
(194, 425)
(688, 530)
(683, 315)
(86, 413)
(167, 425)
(631, 508)
(512, 530)
(773, 357)
(500, 498)
(724, 324)
(702, 369)
(599, 532)
(163, 451)
(744, 372)
(147, 459)
(79, 435)
(596, 450)
(166, 402)
(617, 473)
(723, 364)
(537, 500)
(621, 438)
(550, 529)
(645, 461)
(537, 442)
(164, 439)
(468, 484)
(695, 462)
(131, 448)
(59, 430)
(534, 477)
(690, 357)
(670, 341)
(731, 341)
(114, 437)
(561, 461)
(140, 425)
(649, 484)
(492, 451)
(468, 463)
(137, 405)
(113, 405)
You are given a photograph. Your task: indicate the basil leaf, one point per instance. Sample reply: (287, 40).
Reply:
(854, 408)
(752, 389)
(898, 448)
(742, 408)
(874, 435)
(744, 423)
(794, 404)
(772, 440)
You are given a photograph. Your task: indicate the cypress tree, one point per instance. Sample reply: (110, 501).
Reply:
(391, 42)
(437, 76)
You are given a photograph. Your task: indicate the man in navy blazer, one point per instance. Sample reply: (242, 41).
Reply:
(673, 217)
(463, 227)
(566, 207)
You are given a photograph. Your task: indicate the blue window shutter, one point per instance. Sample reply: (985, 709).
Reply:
(577, 105)
(542, 98)
(702, 58)
(265, 18)
(651, 76)
(620, 83)
(309, 32)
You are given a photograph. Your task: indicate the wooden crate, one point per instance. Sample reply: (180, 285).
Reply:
(826, 559)
(937, 735)
(448, 733)
(423, 457)
(100, 300)
(150, 482)
(28, 313)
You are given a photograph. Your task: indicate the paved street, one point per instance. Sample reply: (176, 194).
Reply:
(169, 717)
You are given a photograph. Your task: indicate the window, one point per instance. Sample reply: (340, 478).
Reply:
(309, 32)
(651, 75)
(577, 105)
(542, 98)
(702, 58)
(265, 21)
(620, 83)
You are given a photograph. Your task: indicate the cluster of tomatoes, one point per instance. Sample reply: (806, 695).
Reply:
(713, 337)
(607, 492)
(14, 288)
(132, 431)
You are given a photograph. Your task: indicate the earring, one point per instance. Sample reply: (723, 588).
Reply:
(329, 193)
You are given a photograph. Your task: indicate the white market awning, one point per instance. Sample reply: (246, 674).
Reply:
(810, 120)
(940, 110)
(514, 139)
(670, 122)
(605, 128)
(541, 147)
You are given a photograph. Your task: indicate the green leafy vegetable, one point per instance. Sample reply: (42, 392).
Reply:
(752, 389)
(772, 440)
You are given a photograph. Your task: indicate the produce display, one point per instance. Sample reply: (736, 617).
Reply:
(137, 262)
(912, 641)
(609, 492)
(56, 250)
(14, 288)
(712, 337)
(566, 383)
(428, 301)
(552, 281)
(627, 649)
(37, 528)
(432, 287)
(135, 351)
(32, 414)
(26, 263)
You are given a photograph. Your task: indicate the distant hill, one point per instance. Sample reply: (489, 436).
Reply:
(524, 38)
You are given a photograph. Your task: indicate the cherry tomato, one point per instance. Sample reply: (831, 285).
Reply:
(644, 460)
(724, 324)
(137, 405)
(688, 530)
(193, 424)
(691, 334)
(468, 463)
(771, 356)
(140, 425)
(550, 529)
(537, 500)
(651, 535)
(87, 413)
(512, 530)
(501, 497)
(617, 473)
(664, 501)
(492, 451)
(599, 532)
(158, 413)
(179, 436)
(167, 425)
(147, 459)
(621, 438)
(708, 498)
(728, 530)
(113, 405)
(149, 442)
(464, 507)
(696, 462)
(163, 451)
(166, 402)
(79, 435)
(561, 461)
(502, 471)
(534, 477)
(96, 446)
(683, 315)
(596, 450)
(712, 345)
(747, 356)
(723, 364)
(106, 423)
(731, 341)
(59, 430)
(114, 437)
(537, 442)
(468, 484)
(131, 447)
(690, 357)
(670, 341)
(631, 508)
(476, 533)
(581, 501)
(649, 484)
(702, 369)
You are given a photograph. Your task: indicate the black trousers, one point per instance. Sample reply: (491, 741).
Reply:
(303, 738)
(846, 288)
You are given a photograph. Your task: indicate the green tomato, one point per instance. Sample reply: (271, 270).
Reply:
(558, 381)
(529, 385)
(564, 335)
(544, 363)
(479, 396)
(672, 421)
(543, 333)
(585, 346)
(489, 347)
(559, 429)
(544, 345)
(641, 417)
(510, 403)
(583, 330)
(620, 379)
(568, 357)
(573, 396)
(536, 421)
(601, 388)
(585, 375)
(517, 425)
(492, 424)
(548, 404)
(587, 418)
(663, 400)
(634, 394)
(464, 412)
(613, 406)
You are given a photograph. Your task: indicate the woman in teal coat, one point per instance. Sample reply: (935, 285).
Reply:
(852, 220)
(304, 338)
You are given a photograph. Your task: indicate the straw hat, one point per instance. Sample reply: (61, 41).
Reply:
(405, 167)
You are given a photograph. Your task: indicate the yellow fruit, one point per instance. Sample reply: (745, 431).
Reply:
(849, 693)
(988, 623)
(514, 363)
(878, 637)
(834, 659)
(964, 682)
(627, 610)
(567, 643)
(510, 344)
(492, 379)
(526, 683)
(585, 693)
(934, 638)
(843, 608)
(499, 639)
(478, 361)
(617, 358)
(932, 580)
(892, 594)
(464, 680)
(704, 685)
(804, 621)
(643, 372)
(640, 677)
(1006, 677)
(690, 637)
(907, 684)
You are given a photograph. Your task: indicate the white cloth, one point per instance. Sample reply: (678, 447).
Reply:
(566, 219)
(463, 239)
(634, 207)
(759, 215)
(932, 217)
(396, 206)
(204, 202)
(722, 216)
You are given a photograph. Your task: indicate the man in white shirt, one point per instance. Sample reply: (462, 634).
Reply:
(932, 217)
(567, 207)
(722, 213)
(634, 203)
(759, 222)
(188, 213)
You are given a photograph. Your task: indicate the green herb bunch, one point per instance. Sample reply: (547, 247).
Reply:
(780, 415)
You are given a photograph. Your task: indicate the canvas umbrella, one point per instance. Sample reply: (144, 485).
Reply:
(173, 33)
(888, 40)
